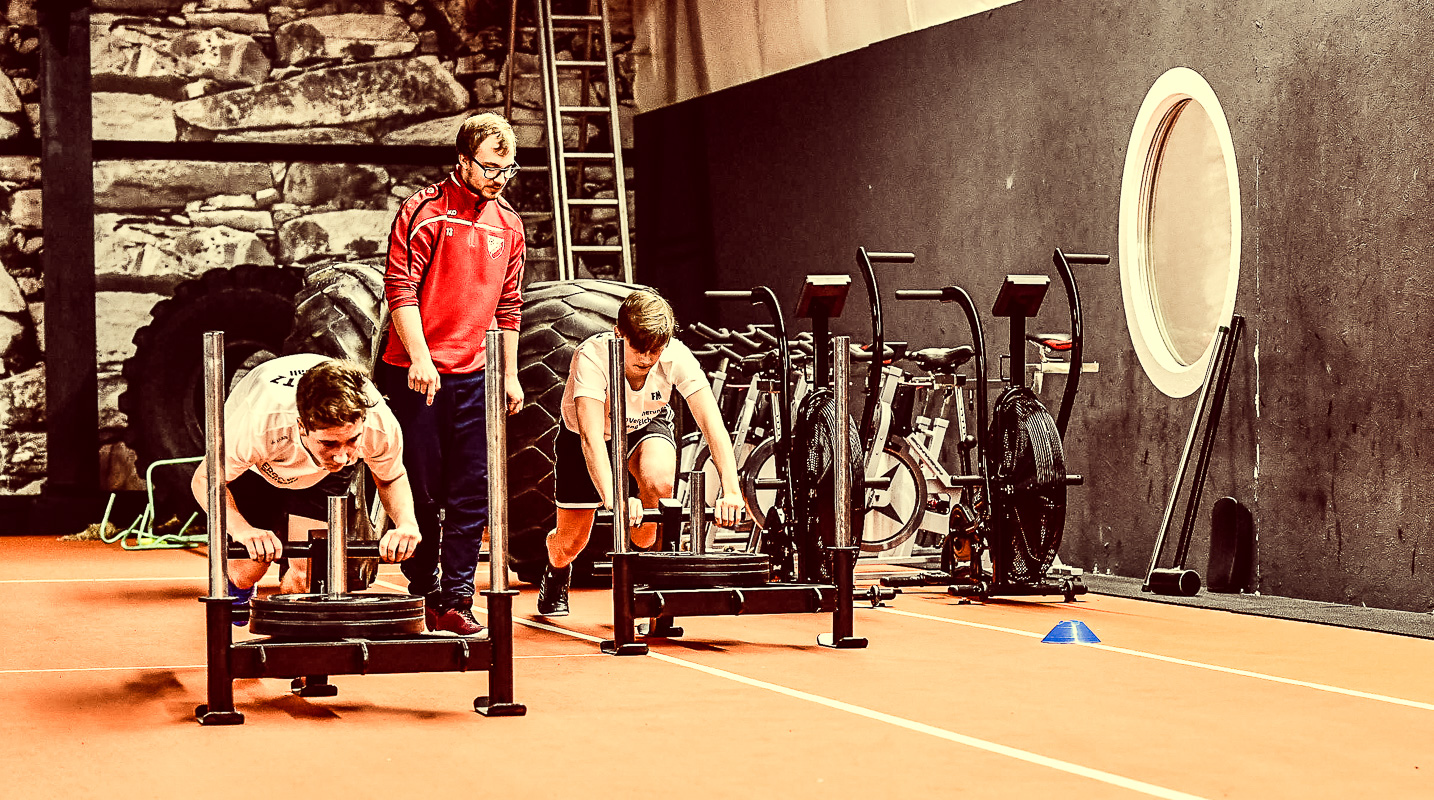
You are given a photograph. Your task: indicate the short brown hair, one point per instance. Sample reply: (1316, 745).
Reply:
(333, 394)
(646, 321)
(476, 129)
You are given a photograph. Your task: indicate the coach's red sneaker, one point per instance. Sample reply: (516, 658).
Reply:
(460, 621)
(431, 613)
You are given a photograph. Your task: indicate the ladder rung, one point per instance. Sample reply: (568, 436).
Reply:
(591, 202)
(589, 156)
(597, 248)
(577, 18)
(584, 64)
(583, 110)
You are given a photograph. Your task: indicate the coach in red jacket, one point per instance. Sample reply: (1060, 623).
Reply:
(455, 268)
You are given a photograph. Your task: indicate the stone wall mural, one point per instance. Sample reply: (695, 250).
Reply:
(356, 72)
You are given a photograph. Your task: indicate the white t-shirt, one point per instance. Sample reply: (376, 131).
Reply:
(261, 429)
(588, 378)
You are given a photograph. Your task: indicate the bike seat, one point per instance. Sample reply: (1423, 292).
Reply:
(1052, 341)
(891, 351)
(942, 359)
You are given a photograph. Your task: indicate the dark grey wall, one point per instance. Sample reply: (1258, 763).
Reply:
(983, 144)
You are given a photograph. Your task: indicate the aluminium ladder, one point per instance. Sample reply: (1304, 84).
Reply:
(592, 63)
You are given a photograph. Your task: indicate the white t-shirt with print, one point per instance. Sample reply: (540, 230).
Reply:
(261, 429)
(587, 377)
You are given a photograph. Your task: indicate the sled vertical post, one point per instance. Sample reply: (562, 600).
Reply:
(845, 552)
(499, 700)
(218, 605)
(624, 634)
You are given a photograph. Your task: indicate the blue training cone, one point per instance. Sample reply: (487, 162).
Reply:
(1070, 631)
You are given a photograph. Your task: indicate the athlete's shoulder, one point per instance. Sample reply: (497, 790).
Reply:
(596, 343)
(292, 365)
(676, 350)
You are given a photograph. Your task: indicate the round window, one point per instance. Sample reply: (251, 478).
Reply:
(1179, 230)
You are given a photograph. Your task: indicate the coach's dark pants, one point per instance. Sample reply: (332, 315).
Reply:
(445, 451)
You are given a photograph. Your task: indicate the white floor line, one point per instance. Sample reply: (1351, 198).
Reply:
(102, 669)
(173, 668)
(105, 580)
(890, 719)
(941, 733)
(1399, 701)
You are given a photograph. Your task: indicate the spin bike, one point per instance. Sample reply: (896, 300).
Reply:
(920, 505)
(915, 512)
(1017, 508)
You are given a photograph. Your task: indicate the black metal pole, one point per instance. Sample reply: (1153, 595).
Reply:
(71, 496)
(1018, 350)
(499, 700)
(1207, 443)
(1205, 390)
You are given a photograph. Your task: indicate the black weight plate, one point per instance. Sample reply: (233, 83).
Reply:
(372, 601)
(356, 615)
(708, 571)
(317, 630)
(321, 616)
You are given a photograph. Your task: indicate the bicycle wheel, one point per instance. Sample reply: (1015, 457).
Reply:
(893, 513)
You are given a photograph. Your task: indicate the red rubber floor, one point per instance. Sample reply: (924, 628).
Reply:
(102, 663)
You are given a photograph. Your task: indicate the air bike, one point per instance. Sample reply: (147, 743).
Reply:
(329, 631)
(802, 559)
(1012, 510)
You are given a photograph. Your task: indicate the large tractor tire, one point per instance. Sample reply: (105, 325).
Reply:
(339, 311)
(557, 317)
(164, 394)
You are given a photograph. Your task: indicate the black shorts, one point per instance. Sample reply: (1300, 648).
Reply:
(573, 485)
(268, 507)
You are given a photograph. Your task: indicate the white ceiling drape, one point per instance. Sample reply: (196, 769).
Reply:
(688, 48)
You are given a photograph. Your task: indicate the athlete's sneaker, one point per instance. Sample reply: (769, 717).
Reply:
(460, 621)
(553, 591)
(241, 604)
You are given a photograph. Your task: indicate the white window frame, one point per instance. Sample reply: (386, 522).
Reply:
(1165, 369)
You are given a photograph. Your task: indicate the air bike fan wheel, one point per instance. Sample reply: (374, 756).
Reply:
(324, 617)
(1027, 485)
(664, 570)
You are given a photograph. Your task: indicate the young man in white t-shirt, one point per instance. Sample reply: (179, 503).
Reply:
(656, 365)
(295, 429)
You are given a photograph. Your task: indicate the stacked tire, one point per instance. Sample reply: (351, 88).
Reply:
(557, 317)
(164, 379)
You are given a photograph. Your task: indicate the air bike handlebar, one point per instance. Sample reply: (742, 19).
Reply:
(955, 294)
(892, 258)
(1063, 262)
(864, 262)
(763, 295)
(945, 295)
